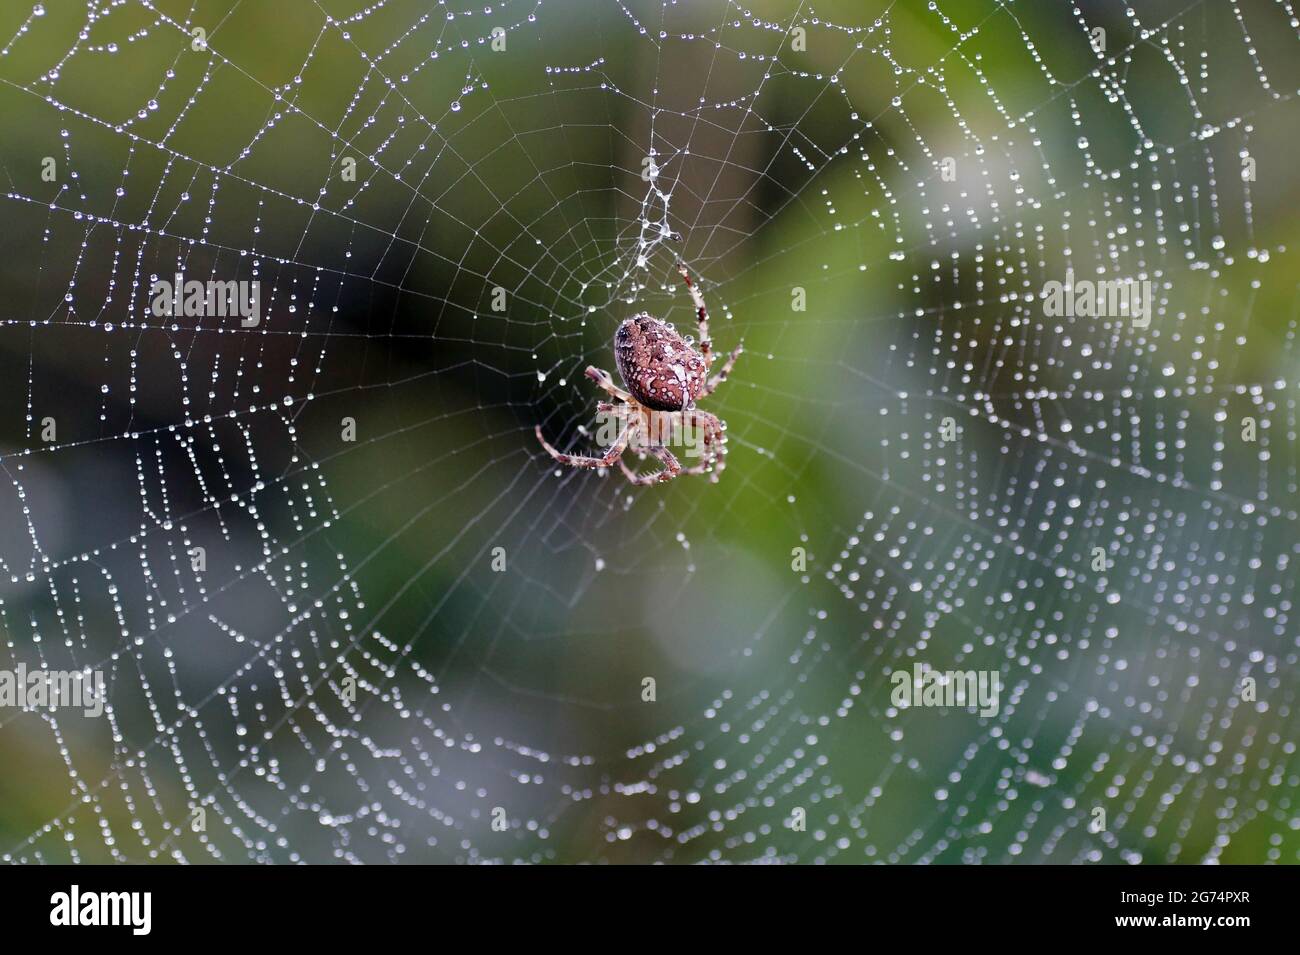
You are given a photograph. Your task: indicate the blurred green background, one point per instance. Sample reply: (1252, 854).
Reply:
(820, 169)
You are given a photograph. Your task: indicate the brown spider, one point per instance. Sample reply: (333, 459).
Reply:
(665, 376)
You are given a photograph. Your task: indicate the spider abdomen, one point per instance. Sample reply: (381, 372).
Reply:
(659, 369)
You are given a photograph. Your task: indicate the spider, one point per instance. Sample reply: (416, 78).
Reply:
(664, 376)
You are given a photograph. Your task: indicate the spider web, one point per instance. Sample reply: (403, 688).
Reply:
(357, 673)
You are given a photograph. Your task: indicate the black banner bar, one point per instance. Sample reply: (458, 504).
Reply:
(333, 905)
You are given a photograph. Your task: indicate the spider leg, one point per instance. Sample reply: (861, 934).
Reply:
(672, 468)
(615, 452)
(602, 378)
(715, 445)
(701, 314)
(712, 384)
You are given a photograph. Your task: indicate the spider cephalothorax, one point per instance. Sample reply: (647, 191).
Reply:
(664, 377)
